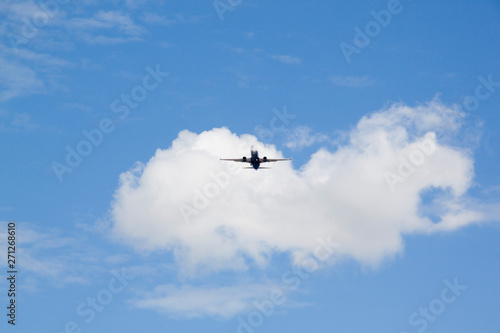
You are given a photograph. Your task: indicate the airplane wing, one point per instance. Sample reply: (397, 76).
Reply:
(236, 160)
(262, 160)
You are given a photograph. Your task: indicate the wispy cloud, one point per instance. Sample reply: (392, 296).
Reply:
(48, 256)
(16, 10)
(286, 59)
(18, 80)
(153, 18)
(105, 40)
(107, 20)
(19, 122)
(121, 27)
(194, 301)
(156, 19)
(77, 106)
(351, 81)
(52, 257)
(101, 27)
(40, 59)
(302, 136)
(24, 72)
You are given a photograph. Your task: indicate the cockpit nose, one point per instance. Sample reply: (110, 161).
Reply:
(253, 149)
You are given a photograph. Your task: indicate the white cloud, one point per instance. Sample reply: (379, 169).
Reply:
(286, 59)
(259, 213)
(352, 81)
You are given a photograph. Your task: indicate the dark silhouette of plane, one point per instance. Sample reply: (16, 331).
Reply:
(254, 160)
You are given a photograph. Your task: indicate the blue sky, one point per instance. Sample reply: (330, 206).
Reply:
(395, 165)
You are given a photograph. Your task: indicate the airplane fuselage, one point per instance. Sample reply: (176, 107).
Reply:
(254, 159)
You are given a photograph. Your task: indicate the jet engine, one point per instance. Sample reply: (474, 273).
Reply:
(264, 159)
(244, 159)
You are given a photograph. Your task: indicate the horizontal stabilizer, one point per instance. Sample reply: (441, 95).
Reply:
(253, 168)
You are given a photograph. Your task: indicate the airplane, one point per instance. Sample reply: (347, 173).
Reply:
(254, 160)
